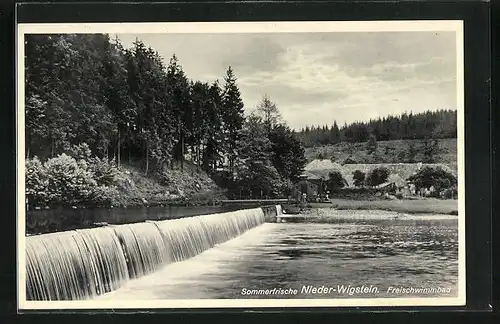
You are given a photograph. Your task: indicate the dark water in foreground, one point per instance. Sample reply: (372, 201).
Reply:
(418, 254)
(57, 220)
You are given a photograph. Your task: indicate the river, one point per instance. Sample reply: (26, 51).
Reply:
(374, 252)
(57, 220)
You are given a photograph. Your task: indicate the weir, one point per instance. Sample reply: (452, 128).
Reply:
(82, 264)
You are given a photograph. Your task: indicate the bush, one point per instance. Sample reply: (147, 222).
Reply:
(377, 176)
(80, 152)
(335, 181)
(436, 177)
(358, 177)
(105, 173)
(69, 182)
(64, 181)
(36, 183)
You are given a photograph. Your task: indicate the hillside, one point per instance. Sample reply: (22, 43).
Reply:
(387, 152)
(190, 186)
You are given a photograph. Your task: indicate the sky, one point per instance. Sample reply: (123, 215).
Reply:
(316, 78)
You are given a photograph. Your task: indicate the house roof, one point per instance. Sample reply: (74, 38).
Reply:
(310, 176)
(385, 184)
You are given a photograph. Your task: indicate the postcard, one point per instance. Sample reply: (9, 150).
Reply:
(240, 164)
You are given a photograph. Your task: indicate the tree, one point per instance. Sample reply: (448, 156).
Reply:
(254, 169)
(436, 177)
(35, 110)
(377, 176)
(287, 153)
(181, 111)
(430, 149)
(232, 116)
(269, 113)
(411, 153)
(358, 177)
(335, 181)
(117, 96)
(371, 145)
(429, 124)
(214, 148)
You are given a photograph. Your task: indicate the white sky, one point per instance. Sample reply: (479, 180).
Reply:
(316, 78)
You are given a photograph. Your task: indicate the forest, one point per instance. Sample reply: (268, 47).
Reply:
(428, 125)
(92, 105)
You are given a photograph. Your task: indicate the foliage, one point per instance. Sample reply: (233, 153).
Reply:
(430, 124)
(358, 177)
(269, 113)
(377, 176)
(64, 181)
(254, 168)
(87, 88)
(371, 144)
(79, 152)
(335, 181)
(91, 104)
(69, 182)
(232, 116)
(430, 149)
(436, 177)
(287, 153)
(36, 182)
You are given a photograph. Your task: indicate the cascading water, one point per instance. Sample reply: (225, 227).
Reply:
(74, 264)
(85, 263)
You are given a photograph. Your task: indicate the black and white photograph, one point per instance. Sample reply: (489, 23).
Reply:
(240, 164)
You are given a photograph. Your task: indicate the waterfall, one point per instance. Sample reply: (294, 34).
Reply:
(82, 264)
(74, 264)
(279, 210)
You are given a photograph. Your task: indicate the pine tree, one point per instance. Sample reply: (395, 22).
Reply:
(254, 168)
(213, 152)
(232, 116)
(181, 111)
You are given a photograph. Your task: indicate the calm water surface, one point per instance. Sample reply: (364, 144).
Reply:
(419, 253)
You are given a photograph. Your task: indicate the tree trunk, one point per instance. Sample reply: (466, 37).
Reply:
(52, 148)
(118, 157)
(182, 151)
(198, 160)
(147, 159)
(129, 148)
(28, 145)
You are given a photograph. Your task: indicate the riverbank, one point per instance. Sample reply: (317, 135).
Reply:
(406, 206)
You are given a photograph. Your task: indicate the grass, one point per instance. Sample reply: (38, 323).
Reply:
(420, 206)
(387, 152)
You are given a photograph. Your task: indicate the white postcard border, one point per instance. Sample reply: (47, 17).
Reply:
(238, 27)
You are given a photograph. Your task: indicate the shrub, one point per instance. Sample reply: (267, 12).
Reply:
(358, 177)
(371, 145)
(106, 196)
(80, 152)
(377, 176)
(436, 177)
(335, 181)
(36, 183)
(68, 182)
(105, 173)
(64, 181)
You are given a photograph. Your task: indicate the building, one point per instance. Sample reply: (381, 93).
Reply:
(310, 184)
(388, 187)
